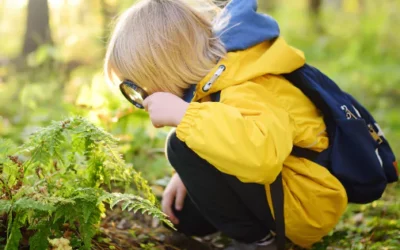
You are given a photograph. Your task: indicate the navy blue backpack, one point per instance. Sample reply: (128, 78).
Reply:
(358, 154)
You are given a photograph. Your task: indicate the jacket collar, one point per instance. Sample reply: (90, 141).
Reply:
(270, 57)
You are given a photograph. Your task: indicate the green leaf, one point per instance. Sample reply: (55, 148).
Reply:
(86, 208)
(5, 206)
(6, 149)
(136, 203)
(15, 235)
(39, 239)
(89, 229)
(126, 205)
(24, 204)
(66, 211)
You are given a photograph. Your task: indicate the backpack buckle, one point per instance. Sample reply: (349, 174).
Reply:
(374, 134)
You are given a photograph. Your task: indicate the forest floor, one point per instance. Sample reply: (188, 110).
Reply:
(371, 226)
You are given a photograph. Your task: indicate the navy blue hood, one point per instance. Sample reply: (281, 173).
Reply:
(246, 27)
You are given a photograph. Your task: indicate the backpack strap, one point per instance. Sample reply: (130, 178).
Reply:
(215, 97)
(305, 153)
(298, 80)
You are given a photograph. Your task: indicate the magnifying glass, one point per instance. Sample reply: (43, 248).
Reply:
(133, 93)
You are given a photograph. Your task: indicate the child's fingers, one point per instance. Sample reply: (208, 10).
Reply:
(146, 104)
(154, 120)
(166, 205)
(180, 199)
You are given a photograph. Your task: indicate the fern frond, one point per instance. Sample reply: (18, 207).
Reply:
(44, 145)
(88, 228)
(14, 238)
(66, 212)
(40, 239)
(143, 186)
(136, 203)
(5, 206)
(6, 148)
(8, 171)
(25, 204)
(14, 229)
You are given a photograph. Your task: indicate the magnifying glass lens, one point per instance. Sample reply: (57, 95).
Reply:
(133, 93)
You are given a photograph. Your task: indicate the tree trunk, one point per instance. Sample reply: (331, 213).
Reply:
(267, 6)
(315, 7)
(2, 9)
(108, 12)
(37, 26)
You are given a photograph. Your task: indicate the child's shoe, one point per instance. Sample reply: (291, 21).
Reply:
(268, 243)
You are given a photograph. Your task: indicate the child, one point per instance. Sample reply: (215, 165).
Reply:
(226, 154)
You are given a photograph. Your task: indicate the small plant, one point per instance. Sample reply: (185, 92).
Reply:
(56, 185)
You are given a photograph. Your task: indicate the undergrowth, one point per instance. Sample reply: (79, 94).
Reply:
(58, 183)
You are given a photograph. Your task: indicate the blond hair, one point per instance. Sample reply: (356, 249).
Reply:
(164, 45)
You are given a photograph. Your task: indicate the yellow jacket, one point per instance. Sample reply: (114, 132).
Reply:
(251, 131)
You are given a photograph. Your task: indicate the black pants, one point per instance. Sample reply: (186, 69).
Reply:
(218, 201)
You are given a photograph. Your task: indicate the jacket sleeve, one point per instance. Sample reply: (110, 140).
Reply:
(250, 142)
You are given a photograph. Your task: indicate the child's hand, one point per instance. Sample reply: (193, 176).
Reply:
(174, 195)
(165, 109)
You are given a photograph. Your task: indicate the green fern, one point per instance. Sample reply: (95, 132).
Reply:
(136, 203)
(6, 147)
(88, 227)
(26, 204)
(5, 206)
(14, 230)
(60, 182)
(39, 240)
(14, 236)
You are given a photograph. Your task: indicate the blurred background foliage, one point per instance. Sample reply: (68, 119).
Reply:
(51, 56)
